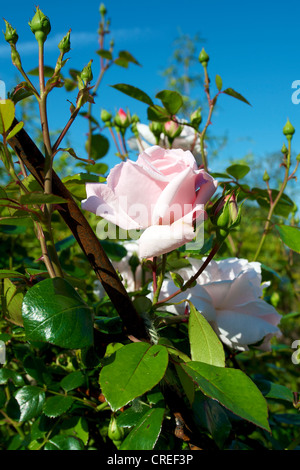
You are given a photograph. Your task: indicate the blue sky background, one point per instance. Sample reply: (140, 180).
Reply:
(253, 46)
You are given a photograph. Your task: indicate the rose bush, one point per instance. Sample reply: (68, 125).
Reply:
(162, 193)
(188, 139)
(228, 294)
(130, 269)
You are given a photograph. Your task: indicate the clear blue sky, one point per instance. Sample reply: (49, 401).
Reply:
(254, 46)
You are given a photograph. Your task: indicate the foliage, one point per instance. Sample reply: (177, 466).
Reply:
(86, 367)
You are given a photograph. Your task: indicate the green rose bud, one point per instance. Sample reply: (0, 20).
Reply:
(284, 149)
(135, 118)
(105, 115)
(86, 75)
(10, 34)
(65, 44)
(102, 9)
(266, 177)
(225, 215)
(40, 26)
(156, 128)
(288, 130)
(203, 58)
(196, 118)
(115, 433)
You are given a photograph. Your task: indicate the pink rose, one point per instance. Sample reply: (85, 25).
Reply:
(163, 193)
(229, 295)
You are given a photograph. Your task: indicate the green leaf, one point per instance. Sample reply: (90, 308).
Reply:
(56, 406)
(157, 113)
(31, 400)
(65, 243)
(235, 94)
(20, 94)
(7, 374)
(15, 130)
(205, 345)
(146, 431)
(238, 171)
(109, 325)
(105, 54)
(73, 380)
(48, 71)
(127, 56)
(290, 236)
(62, 442)
(172, 100)
(54, 312)
(40, 198)
(114, 250)
(212, 416)
(219, 82)
(134, 92)
(232, 388)
(7, 114)
(13, 299)
(275, 391)
(132, 415)
(132, 371)
(4, 273)
(99, 146)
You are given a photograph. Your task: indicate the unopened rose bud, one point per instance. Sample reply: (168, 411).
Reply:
(122, 119)
(266, 177)
(172, 129)
(102, 9)
(115, 432)
(86, 75)
(10, 34)
(135, 118)
(284, 149)
(40, 25)
(288, 130)
(105, 116)
(225, 214)
(196, 118)
(65, 44)
(156, 128)
(203, 58)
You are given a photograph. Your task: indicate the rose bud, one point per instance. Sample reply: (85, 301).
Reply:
(203, 58)
(122, 119)
(288, 130)
(10, 34)
(40, 25)
(65, 44)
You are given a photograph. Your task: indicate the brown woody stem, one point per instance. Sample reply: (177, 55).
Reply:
(33, 159)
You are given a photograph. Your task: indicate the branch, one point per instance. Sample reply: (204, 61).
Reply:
(33, 159)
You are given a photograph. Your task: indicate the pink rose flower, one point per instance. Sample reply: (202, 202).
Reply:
(228, 294)
(163, 193)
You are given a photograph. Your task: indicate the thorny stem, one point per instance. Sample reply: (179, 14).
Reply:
(103, 68)
(160, 279)
(47, 229)
(190, 282)
(65, 130)
(274, 203)
(41, 235)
